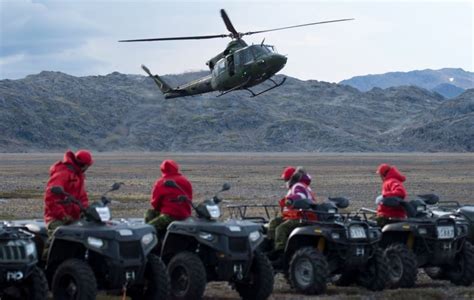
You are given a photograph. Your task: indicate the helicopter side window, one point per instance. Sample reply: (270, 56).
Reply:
(230, 64)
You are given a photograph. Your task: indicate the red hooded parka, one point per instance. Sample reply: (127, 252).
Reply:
(67, 174)
(162, 197)
(393, 187)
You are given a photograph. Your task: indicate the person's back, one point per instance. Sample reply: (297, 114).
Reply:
(164, 200)
(392, 186)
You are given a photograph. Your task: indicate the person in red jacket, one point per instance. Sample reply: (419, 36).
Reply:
(392, 186)
(68, 174)
(297, 181)
(164, 200)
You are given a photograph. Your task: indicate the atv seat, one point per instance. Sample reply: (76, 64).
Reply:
(467, 211)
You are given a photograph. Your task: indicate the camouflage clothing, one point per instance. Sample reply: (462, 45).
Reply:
(159, 221)
(51, 227)
(283, 232)
(272, 227)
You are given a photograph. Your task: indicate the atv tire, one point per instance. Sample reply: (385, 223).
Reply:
(188, 276)
(157, 282)
(260, 283)
(74, 279)
(403, 266)
(462, 272)
(374, 276)
(35, 287)
(309, 271)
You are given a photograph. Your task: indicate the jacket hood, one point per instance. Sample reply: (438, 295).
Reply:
(395, 174)
(169, 167)
(69, 159)
(306, 179)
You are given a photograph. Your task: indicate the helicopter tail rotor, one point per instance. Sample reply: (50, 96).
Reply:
(162, 85)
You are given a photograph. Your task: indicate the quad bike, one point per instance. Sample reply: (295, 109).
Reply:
(327, 245)
(20, 278)
(454, 208)
(96, 253)
(202, 249)
(426, 240)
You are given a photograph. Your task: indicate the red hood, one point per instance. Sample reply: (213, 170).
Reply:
(169, 167)
(69, 159)
(395, 174)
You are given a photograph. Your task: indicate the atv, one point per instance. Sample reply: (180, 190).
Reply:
(428, 241)
(328, 246)
(20, 278)
(454, 208)
(201, 249)
(96, 253)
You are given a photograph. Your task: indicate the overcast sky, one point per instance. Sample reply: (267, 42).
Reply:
(80, 37)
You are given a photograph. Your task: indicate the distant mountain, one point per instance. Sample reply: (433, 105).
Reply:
(448, 90)
(448, 82)
(117, 112)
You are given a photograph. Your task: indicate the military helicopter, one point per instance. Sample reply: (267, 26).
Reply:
(238, 67)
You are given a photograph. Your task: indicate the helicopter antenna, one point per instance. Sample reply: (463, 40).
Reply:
(234, 34)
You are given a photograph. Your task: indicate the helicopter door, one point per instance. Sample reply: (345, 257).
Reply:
(231, 65)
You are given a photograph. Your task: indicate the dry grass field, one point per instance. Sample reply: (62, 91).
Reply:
(254, 179)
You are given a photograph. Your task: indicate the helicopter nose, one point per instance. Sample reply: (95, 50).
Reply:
(280, 61)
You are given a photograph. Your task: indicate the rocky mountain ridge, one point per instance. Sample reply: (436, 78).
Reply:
(52, 111)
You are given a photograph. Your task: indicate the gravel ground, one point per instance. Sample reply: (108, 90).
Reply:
(255, 179)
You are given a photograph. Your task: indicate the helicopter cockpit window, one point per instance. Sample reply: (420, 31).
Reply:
(258, 50)
(220, 66)
(243, 57)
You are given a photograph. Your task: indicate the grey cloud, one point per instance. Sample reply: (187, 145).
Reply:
(33, 28)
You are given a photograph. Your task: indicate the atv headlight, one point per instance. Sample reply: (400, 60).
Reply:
(30, 249)
(213, 211)
(95, 242)
(147, 239)
(254, 236)
(206, 236)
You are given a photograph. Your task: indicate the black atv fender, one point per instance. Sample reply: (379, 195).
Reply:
(315, 236)
(402, 232)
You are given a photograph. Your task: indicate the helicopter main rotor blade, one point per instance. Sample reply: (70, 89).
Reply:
(294, 26)
(197, 37)
(228, 24)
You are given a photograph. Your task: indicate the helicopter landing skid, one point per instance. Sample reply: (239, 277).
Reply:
(270, 88)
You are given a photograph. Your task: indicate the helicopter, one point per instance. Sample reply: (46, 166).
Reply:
(238, 67)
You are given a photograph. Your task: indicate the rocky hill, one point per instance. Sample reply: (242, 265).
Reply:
(117, 112)
(448, 82)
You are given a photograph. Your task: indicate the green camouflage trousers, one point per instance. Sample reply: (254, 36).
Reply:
(272, 227)
(160, 221)
(51, 227)
(283, 232)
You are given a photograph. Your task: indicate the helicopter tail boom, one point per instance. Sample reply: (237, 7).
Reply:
(199, 86)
